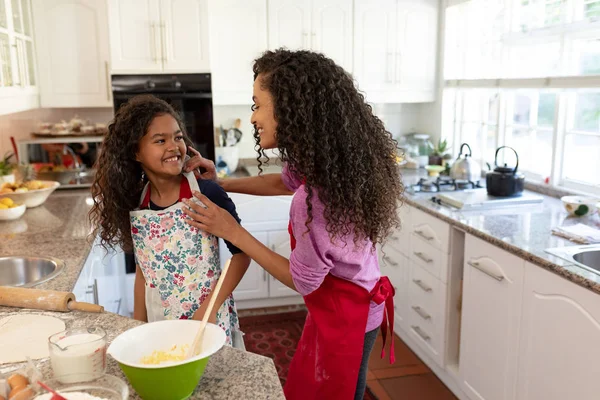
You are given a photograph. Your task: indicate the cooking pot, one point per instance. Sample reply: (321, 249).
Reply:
(465, 169)
(505, 181)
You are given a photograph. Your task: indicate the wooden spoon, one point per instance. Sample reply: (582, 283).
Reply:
(196, 346)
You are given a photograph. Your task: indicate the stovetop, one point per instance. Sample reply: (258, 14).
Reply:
(442, 184)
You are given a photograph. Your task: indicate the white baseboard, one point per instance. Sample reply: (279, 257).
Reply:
(265, 303)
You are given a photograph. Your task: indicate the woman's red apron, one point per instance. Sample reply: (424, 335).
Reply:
(329, 353)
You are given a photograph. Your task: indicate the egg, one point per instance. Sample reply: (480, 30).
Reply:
(17, 380)
(23, 393)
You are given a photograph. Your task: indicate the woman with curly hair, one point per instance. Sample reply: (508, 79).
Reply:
(339, 162)
(138, 191)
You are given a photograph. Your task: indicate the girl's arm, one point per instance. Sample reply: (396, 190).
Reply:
(237, 269)
(139, 296)
(262, 185)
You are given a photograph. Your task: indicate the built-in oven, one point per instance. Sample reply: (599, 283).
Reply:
(189, 94)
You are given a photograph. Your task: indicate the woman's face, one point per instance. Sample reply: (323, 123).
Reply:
(162, 149)
(263, 116)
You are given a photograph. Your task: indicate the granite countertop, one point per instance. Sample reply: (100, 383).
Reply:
(525, 231)
(59, 228)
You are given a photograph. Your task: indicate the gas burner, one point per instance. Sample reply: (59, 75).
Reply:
(442, 184)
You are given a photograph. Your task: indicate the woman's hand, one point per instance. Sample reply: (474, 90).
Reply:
(200, 162)
(212, 218)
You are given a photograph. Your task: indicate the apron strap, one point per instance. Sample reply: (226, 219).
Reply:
(384, 292)
(185, 192)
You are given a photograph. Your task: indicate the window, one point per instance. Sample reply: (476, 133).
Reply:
(16, 44)
(525, 74)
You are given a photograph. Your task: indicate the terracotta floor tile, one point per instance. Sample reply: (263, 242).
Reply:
(401, 371)
(371, 376)
(404, 356)
(378, 390)
(417, 387)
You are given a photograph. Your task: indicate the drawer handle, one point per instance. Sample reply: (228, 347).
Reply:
(390, 261)
(421, 313)
(423, 235)
(422, 257)
(420, 284)
(395, 238)
(420, 332)
(475, 264)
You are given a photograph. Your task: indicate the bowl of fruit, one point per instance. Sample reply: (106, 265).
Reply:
(29, 193)
(9, 210)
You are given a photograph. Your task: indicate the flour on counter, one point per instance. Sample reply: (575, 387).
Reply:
(71, 396)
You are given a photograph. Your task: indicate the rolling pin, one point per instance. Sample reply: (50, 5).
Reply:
(49, 300)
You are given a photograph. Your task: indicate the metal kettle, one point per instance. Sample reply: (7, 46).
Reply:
(465, 169)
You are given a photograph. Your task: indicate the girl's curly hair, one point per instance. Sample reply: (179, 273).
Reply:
(328, 135)
(119, 180)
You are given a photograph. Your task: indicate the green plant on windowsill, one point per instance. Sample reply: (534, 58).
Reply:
(6, 167)
(439, 154)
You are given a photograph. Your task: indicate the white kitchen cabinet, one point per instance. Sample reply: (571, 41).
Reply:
(396, 267)
(18, 78)
(559, 356)
(395, 47)
(158, 36)
(491, 315)
(279, 242)
(238, 35)
(73, 53)
(323, 26)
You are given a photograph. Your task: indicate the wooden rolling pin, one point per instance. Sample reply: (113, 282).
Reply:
(49, 300)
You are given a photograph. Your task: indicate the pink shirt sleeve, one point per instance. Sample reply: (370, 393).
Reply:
(311, 260)
(290, 180)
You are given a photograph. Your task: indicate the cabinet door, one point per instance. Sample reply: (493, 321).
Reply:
(331, 30)
(559, 356)
(279, 241)
(396, 267)
(232, 51)
(134, 29)
(374, 44)
(254, 284)
(491, 315)
(289, 24)
(416, 49)
(184, 35)
(108, 276)
(73, 53)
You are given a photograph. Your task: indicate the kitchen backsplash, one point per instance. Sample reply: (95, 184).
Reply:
(398, 118)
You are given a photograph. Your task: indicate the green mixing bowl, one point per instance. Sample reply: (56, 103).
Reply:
(171, 380)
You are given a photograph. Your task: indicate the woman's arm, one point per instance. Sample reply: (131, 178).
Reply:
(237, 269)
(262, 185)
(139, 296)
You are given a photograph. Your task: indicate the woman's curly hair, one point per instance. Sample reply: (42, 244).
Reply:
(119, 178)
(328, 136)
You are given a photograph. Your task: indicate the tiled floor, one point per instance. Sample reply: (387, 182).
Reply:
(407, 379)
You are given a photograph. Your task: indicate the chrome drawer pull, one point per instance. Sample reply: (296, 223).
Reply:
(419, 332)
(421, 313)
(420, 284)
(478, 266)
(423, 235)
(422, 257)
(389, 261)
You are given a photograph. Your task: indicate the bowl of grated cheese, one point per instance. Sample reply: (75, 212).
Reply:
(152, 357)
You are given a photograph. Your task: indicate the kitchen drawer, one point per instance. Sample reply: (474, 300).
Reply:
(397, 268)
(429, 257)
(431, 229)
(399, 238)
(424, 289)
(428, 337)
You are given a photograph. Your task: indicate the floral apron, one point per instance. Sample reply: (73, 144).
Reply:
(180, 263)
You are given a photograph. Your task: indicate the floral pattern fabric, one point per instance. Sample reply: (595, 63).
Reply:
(180, 264)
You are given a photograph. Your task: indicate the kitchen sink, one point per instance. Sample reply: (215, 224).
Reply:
(28, 271)
(587, 257)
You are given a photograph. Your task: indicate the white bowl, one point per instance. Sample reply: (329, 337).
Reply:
(33, 198)
(9, 214)
(580, 206)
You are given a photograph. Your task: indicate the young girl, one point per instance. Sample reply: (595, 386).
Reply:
(138, 192)
(340, 165)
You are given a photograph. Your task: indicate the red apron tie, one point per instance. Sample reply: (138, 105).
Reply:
(185, 192)
(384, 292)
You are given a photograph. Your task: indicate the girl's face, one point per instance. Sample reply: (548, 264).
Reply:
(162, 149)
(263, 116)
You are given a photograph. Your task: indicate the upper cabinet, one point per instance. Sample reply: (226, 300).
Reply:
(159, 36)
(324, 26)
(238, 35)
(18, 82)
(395, 47)
(73, 53)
